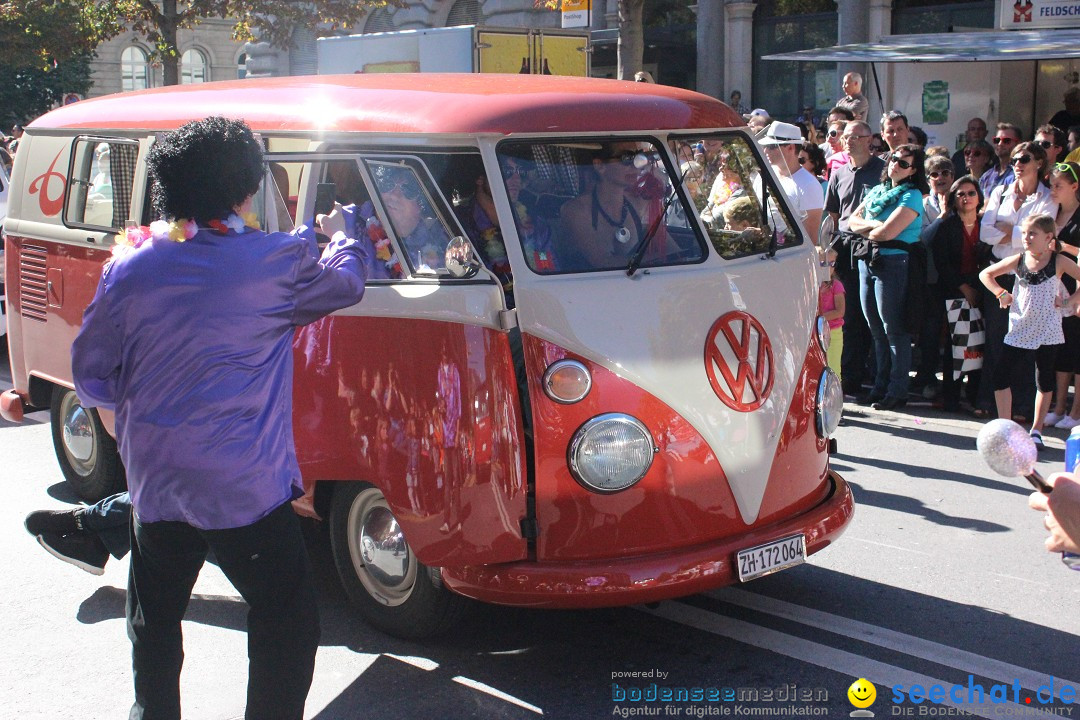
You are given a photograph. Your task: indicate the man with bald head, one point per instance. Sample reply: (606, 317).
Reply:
(853, 99)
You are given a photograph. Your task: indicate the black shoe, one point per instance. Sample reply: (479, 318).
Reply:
(82, 550)
(61, 522)
(890, 403)
(869, 398)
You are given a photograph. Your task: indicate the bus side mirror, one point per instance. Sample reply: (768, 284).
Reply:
(459, 260)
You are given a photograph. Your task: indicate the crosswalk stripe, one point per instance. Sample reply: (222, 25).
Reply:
(831, 658)
(935, 652)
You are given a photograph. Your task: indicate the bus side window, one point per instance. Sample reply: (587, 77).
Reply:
(100, 187)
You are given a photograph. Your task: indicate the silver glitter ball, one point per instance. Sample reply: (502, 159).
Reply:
(1007, 448)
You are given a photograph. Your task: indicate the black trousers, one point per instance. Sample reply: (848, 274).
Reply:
(856, 359)
(268, 564)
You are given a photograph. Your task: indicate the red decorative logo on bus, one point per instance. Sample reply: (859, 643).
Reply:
(41, 185)
(1022, 11)
(740, 363)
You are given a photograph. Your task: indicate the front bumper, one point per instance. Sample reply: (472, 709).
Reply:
(649, 578)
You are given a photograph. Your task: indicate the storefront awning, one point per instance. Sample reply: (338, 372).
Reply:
(950, 47)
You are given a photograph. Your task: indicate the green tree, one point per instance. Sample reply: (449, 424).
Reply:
(28, 90)
(272, 21)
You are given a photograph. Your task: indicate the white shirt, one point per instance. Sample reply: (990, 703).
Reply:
(810, 195)
(999, 206)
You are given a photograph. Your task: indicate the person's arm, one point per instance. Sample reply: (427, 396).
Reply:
(1068, 267)
(333, 281)
(988, 277)
(988, 231)
(1062, 508)
(896, 223)
(97, 352)
(813, 224)
(858, 223)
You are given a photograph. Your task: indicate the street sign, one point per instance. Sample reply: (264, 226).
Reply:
(575, 13)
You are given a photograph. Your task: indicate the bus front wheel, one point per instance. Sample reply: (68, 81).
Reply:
(87, 454)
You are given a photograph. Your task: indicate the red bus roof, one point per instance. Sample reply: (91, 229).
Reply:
(407, 103)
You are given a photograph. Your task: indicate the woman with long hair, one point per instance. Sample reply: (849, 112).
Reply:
(891, 211)
(955, 246)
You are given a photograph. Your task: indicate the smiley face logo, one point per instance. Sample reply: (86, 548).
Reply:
(862, 693)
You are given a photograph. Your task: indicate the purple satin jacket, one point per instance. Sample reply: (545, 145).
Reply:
(190, 344)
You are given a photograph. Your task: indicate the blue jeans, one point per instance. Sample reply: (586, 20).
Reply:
(883, 292)
(109, 518)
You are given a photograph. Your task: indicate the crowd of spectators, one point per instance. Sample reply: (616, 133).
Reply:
(912, 227)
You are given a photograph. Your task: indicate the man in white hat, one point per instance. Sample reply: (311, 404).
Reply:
(781, 143)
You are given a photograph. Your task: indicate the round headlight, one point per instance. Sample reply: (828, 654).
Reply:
(830, 403)
(611, 452)
(824, 334)
(567, 381)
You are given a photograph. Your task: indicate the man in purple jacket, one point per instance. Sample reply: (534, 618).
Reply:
(188, 339)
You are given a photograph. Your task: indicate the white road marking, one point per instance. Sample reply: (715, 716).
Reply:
(881, 544)
(419, 662)
(831, 658)
(477, 685)
(962, 660)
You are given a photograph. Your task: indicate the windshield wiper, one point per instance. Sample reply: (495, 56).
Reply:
(643, 244)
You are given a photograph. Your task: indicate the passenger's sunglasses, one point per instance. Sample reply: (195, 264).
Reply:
(509, 171)
(406, 185)
(940, 173)
(1067, 167)
(1006, 140)
(1021, 159)
(904, 164)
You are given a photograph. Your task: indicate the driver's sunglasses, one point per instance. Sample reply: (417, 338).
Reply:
(509, 171)
(405, 184)
(904, 164)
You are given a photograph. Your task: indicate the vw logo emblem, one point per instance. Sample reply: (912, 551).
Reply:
(739, 361)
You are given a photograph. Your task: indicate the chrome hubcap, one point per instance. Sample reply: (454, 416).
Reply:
(80, 444)
(381, 557)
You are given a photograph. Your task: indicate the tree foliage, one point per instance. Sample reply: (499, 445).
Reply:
(47, 22)
(29, 90)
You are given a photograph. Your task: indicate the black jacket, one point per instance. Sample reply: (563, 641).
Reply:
(947, 247)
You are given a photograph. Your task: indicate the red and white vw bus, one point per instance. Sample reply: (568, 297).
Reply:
(588, 369)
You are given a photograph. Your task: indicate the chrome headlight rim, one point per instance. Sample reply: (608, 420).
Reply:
(829, 399)
(559, 365)
(582, 433)
(824, 333)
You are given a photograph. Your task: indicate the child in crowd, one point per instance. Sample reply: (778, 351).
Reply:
(831, 306)
(1034, 314)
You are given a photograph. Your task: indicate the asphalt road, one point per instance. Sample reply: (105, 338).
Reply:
(941, 576)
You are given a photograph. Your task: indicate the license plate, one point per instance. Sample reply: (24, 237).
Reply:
(770, 557)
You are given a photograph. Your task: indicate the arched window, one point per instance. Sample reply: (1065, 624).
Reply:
(193, 67)
(241, 66)
(464, 12)
(134, 69)
(379, 21)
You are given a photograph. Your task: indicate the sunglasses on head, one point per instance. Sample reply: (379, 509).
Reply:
(1008, 140)
(1021, 159)
(1067, 167)
(941, 173)
(904, 164)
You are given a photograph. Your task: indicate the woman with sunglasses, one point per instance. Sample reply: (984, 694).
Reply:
(1065, 191)
(891, 211)
(978, 156)
(1006, 209)
(954, 247)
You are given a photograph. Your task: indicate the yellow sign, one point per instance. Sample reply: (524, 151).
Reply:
(575, 13)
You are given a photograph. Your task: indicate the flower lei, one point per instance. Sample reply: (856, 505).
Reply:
(384, 251)
(542, 257)
(179, 231)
